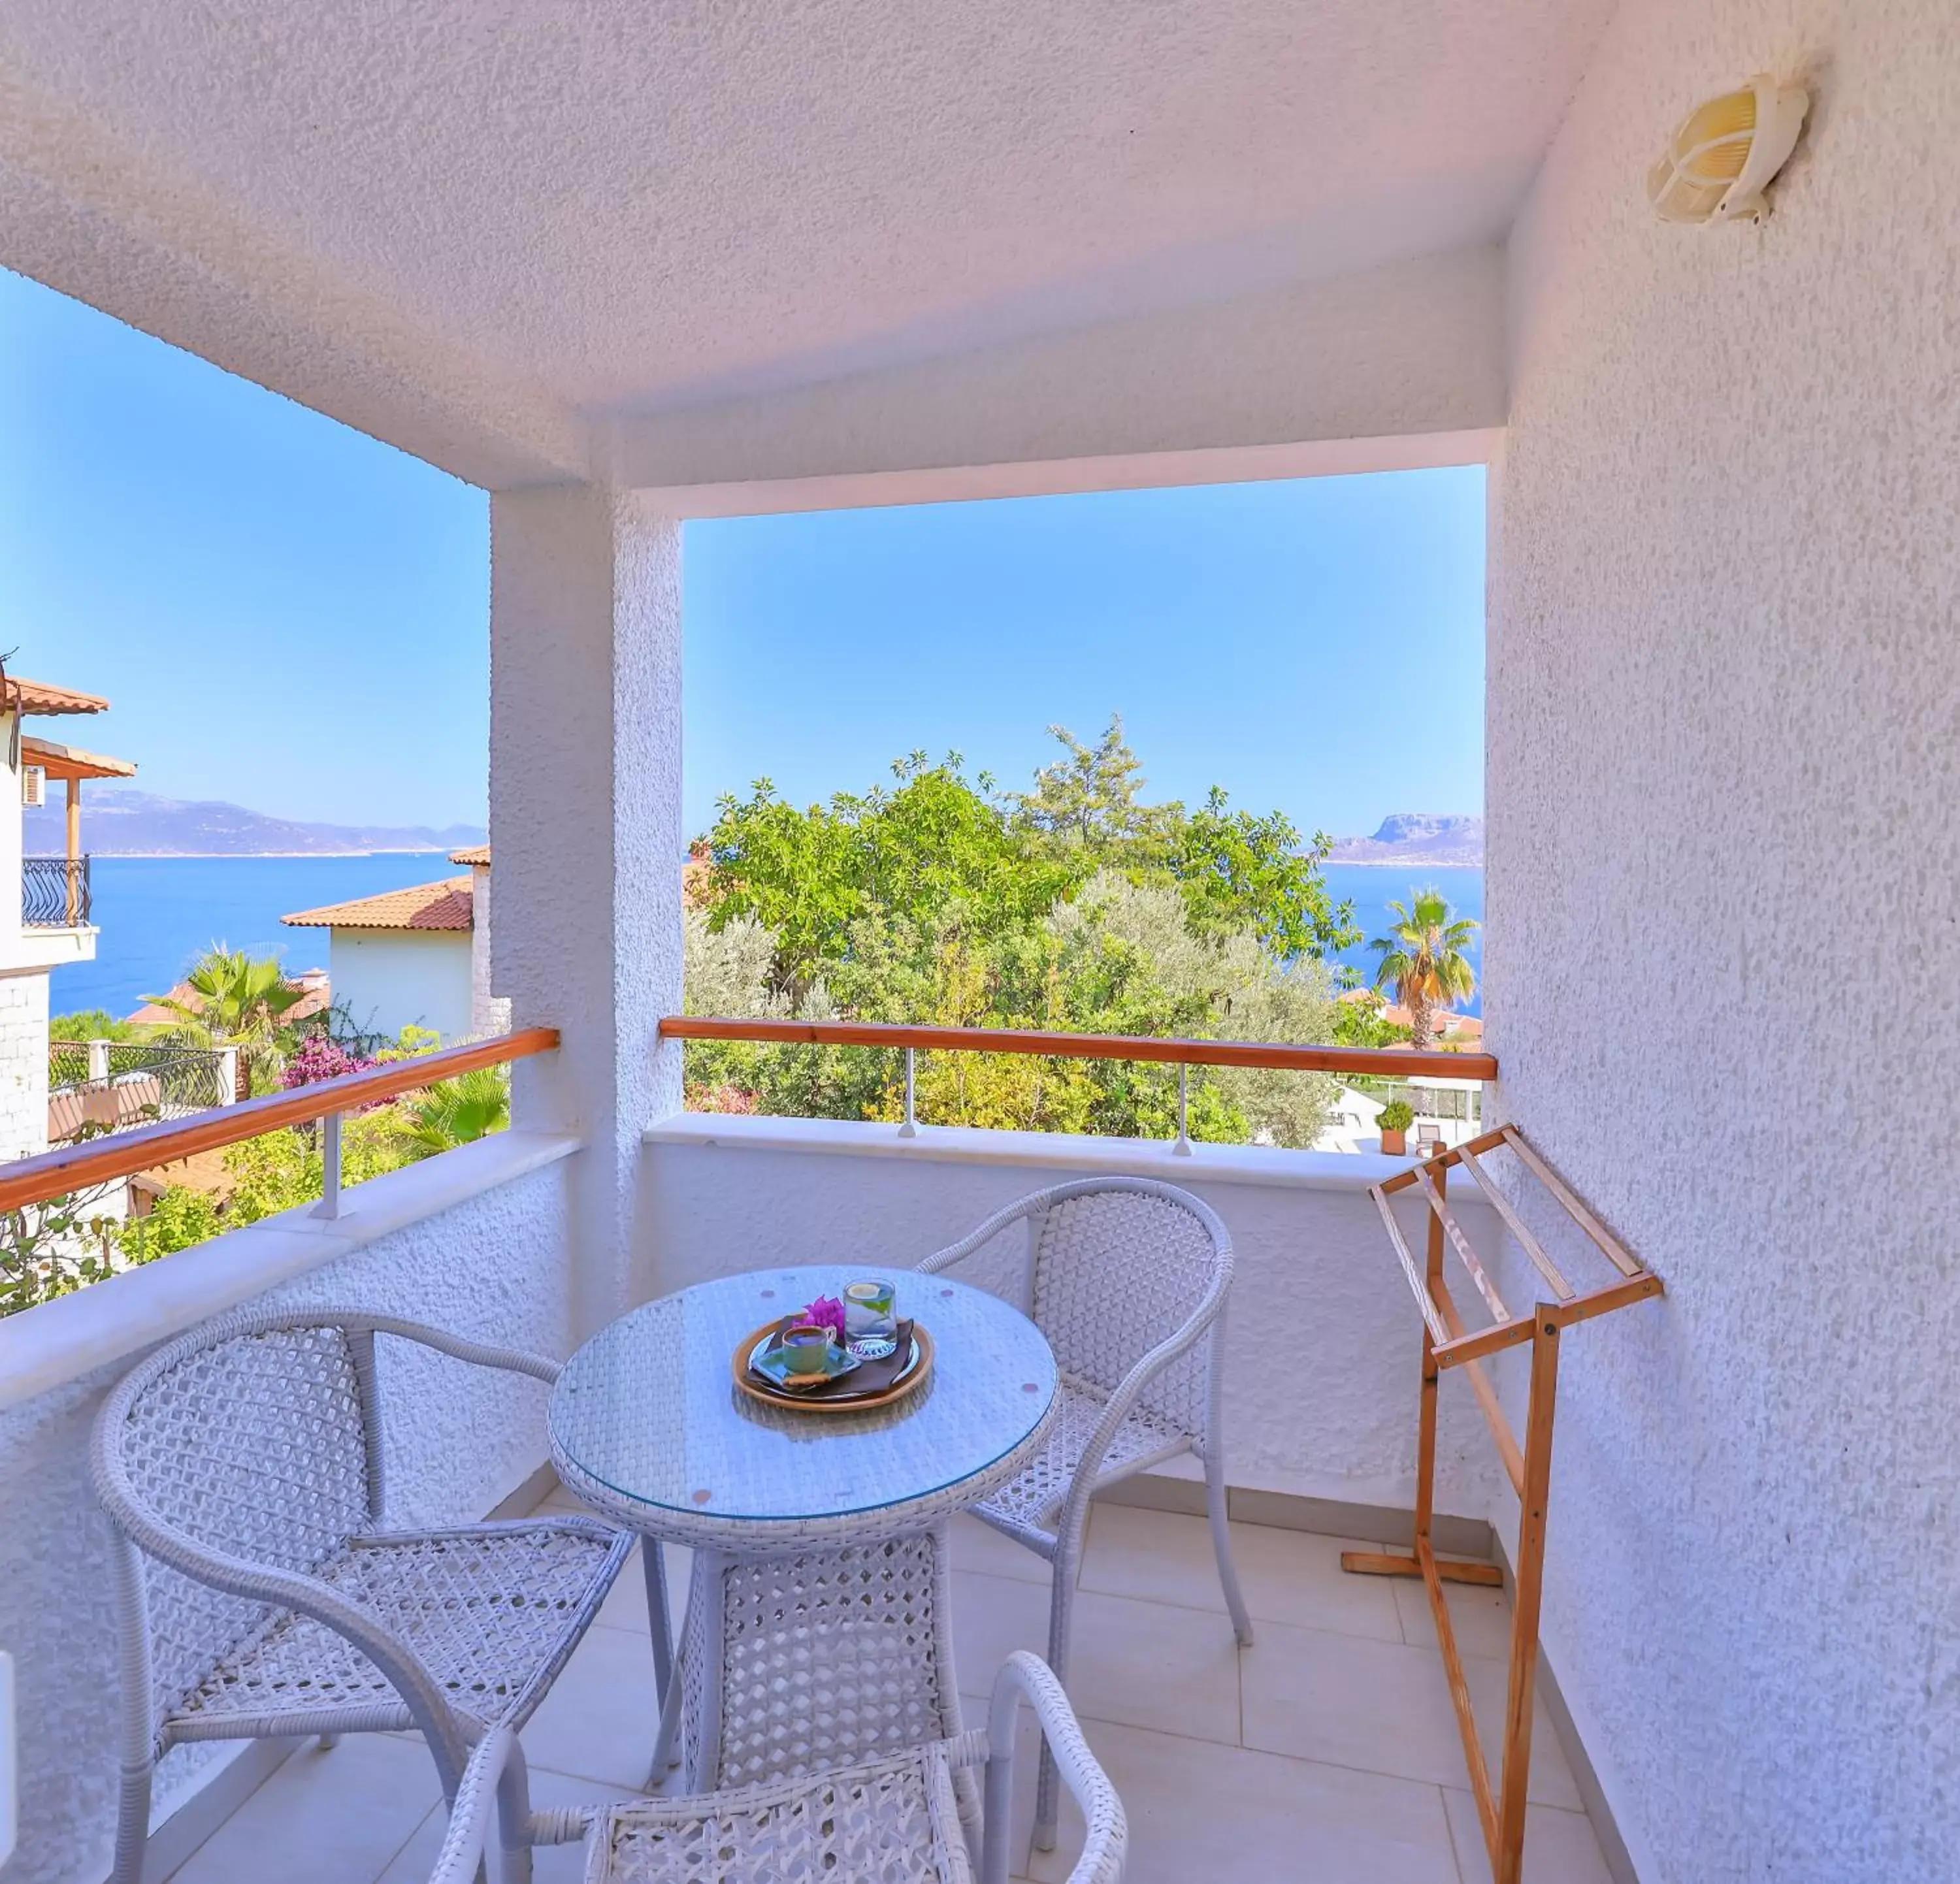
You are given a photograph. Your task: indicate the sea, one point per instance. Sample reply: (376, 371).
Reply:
(158, 915)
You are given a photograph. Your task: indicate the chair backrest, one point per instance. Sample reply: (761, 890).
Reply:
(253, 1440)
(1120, 1265)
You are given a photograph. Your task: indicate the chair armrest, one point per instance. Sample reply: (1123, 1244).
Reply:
(1023, 1675)
(471, 1817)
(479, 1353)
(945, 1258)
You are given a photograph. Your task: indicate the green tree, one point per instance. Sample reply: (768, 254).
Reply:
(1074, 907)
(910, 852)
(91, 1024)
(1240, 871)
(236, 1001)
(1424, 959)
(1361, 1022)
(1090, 797)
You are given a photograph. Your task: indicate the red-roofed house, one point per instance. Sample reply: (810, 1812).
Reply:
(402, 958)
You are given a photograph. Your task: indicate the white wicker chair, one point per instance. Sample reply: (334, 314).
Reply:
(1127, 1278)
(793, 1661)
(257, 1592)
(890, 1820)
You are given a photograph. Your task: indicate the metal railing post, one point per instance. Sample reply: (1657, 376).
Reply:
(329, 1158)
(910, 1128)
(1183, 1148)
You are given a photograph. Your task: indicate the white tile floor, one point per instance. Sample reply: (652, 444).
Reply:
(1328, 1750)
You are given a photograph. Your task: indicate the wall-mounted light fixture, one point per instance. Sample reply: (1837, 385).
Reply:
(1718, 164)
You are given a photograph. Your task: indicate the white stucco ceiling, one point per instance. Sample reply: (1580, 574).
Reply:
(618, 207)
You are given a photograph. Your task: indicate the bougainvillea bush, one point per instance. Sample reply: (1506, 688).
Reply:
(320, 1057)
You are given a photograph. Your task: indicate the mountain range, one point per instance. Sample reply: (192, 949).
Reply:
(1416, 837)
(117, 821)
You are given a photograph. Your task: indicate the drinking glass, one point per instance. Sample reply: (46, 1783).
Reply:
(870, 1319)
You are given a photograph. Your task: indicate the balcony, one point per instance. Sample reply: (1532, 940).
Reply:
(877, 265)
(55, 892)
(1327, 1751)
(1329, 1745)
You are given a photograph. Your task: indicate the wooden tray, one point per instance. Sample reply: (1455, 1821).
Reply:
(805, 1403)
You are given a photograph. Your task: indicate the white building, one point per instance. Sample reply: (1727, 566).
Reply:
(415, 957)
(623, 266)
(46, 905)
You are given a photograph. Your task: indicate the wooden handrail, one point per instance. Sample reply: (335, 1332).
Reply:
(99, 1160)
(1382, 1062)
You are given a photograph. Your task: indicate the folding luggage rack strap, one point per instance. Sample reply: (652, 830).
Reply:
(1447, 1341)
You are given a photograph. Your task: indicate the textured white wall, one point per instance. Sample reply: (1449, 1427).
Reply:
(1411, 348)
(738, 205)
(585, 754)
(388, 980)
(1724, 757)
(1323, 1346)
(460, 1439)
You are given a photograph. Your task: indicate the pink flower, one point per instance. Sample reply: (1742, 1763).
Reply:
(826, 1312)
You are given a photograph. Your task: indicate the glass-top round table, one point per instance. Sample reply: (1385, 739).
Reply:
(648, 1427)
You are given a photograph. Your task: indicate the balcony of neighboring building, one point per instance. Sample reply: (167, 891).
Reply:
(57, 909)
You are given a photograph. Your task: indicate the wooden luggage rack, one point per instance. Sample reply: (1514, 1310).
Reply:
(1448, 1342)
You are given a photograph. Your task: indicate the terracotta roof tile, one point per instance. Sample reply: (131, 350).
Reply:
(444, 906)
(317, 998)
(475, 854)
(70, 762)
(42, 696)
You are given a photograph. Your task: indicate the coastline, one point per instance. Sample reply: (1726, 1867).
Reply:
(401, 850)
(1406, 863)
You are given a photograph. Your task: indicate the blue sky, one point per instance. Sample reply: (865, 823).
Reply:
(292, 617)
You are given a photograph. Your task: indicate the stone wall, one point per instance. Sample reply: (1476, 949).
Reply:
(23, 1064)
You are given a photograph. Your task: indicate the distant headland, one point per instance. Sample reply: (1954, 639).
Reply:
(1439, 840)
(123, 823)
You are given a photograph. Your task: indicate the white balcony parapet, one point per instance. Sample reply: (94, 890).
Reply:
(1353, 1172)
(45, 1347)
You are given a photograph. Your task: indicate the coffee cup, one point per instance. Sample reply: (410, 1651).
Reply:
(806, 1349)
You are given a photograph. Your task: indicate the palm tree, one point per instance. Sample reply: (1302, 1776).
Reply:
(1423, 959)
(235, 1001)
(454, 1112)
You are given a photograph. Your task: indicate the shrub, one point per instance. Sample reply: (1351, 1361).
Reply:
(52, 1248)
(92, 1023)
(180, 1217)
(320, 1057)
(1397, 1115)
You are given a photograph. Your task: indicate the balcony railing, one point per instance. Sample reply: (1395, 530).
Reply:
(116, 1084)
(54, 892)
(54, 1174)
(1382, 1063)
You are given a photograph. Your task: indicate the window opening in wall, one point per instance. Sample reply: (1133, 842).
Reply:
(1199, 763)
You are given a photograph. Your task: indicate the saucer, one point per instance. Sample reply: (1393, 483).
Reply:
(772, 1365)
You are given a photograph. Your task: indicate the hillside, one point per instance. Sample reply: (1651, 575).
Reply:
(118, 822)
(1417, 837)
